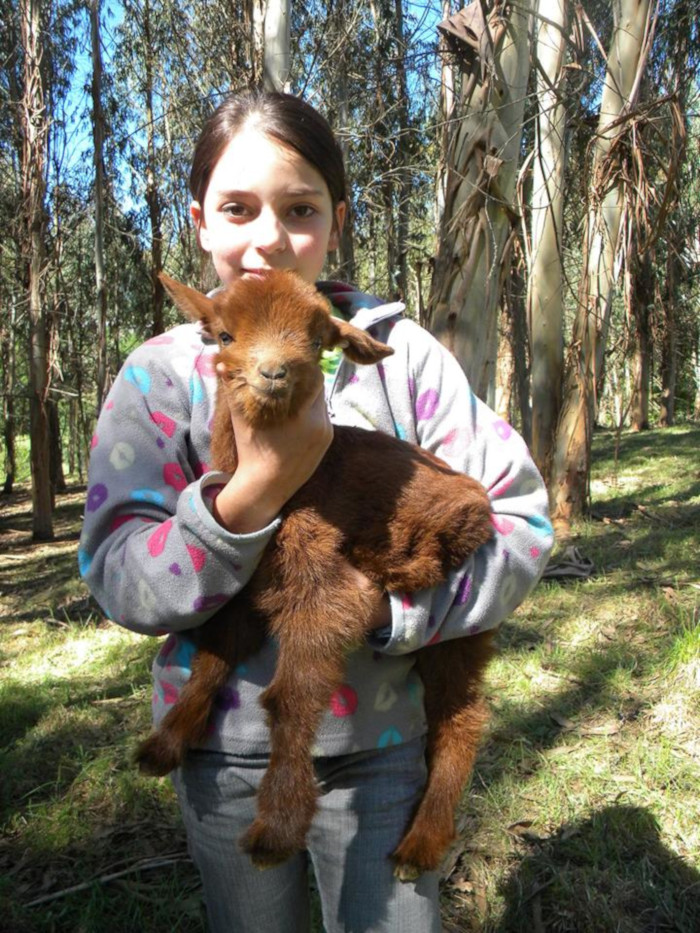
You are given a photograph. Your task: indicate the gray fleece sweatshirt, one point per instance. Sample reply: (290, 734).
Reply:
(158, 563)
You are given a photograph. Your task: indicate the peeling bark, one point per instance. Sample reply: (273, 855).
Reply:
(479, 217)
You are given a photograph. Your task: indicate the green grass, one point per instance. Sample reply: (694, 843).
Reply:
(584, 813)
(584, 810)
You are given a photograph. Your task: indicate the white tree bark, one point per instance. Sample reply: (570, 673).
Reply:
(545, 299)
(479, 216)
(276, 45)
(447, 103)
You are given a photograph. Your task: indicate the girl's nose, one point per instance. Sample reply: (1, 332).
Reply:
(269, 234)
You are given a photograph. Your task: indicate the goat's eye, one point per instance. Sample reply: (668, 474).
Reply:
(225, 338)
(317, 343)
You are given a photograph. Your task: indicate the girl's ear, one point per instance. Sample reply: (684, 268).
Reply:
(197, 215)
(357, 344)
(338, 222)
(194, 304)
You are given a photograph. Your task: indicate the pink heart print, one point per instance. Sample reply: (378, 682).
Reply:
(156, 541)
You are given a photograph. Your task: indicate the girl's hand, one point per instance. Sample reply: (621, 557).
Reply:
(381, 617)
(272, 464)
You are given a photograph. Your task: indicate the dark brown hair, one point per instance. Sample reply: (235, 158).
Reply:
(283, 117)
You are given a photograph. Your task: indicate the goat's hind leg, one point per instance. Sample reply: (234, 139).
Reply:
(452, 673)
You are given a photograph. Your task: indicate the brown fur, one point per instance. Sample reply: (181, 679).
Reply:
(386, 507)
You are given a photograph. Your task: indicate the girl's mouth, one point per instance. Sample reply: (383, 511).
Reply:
(256, 273)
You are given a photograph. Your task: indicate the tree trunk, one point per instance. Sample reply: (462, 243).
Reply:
(98, 159)
(345, 260)
(696, 368)
(640, 303)
(669, 343)
(545, 297)
(385, 102)
(514, 297)
(571, 467)
(402, 153)
(346, 247)
(7, 357)
(446, 113)
(479, 216)
(58, 479)
(257, 43)
(34, 138)
(276, 45)
(153, 199)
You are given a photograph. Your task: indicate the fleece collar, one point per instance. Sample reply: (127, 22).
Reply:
(360, 309)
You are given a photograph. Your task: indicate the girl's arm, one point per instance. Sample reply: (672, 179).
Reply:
(155, 549)
(445, 417)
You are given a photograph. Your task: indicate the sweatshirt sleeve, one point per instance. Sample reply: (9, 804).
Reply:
(445, 417)
(151, 551)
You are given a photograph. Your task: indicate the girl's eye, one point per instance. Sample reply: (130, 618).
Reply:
(302, 211)
(235, 210)
(225, 339)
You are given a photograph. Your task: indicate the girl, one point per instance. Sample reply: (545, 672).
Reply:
(166, 541)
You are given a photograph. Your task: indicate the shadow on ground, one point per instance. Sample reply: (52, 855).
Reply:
(607, 874)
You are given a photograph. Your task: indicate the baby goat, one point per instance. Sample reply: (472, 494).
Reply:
(404, 527)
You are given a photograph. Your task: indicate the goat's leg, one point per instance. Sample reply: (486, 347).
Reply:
(313, 644)
(295, 702)
(452, 674)
(226, 640)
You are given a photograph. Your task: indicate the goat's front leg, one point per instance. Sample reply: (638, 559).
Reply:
(227, 639)
(314, 638)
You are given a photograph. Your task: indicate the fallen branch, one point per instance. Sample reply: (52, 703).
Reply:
(141, 865)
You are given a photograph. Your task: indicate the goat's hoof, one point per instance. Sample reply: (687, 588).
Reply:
(405, 872)
(157, 756)
(264, 846)
(418, 853)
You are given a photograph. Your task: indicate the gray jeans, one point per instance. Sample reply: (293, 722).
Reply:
(365, 803)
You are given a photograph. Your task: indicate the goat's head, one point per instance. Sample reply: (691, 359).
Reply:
(271, 333)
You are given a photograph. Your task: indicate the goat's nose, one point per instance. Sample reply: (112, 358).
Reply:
(272, 371)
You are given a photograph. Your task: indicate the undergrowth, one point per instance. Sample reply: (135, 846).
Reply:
(584, 810)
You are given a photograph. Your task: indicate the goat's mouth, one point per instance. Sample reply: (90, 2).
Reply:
(271, 389)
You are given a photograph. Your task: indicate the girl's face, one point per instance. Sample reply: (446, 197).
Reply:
(266, 208)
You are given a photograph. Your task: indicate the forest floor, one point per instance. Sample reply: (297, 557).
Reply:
(584, 810)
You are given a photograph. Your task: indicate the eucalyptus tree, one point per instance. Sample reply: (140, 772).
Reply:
(676, 73)
(34, 127)
(479, 217)
(545, 284)
(625, 63)
(98, 133)
(11, 267)
(276, 53)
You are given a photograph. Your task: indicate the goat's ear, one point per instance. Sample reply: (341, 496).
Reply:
(357, 344)
(194, 304)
